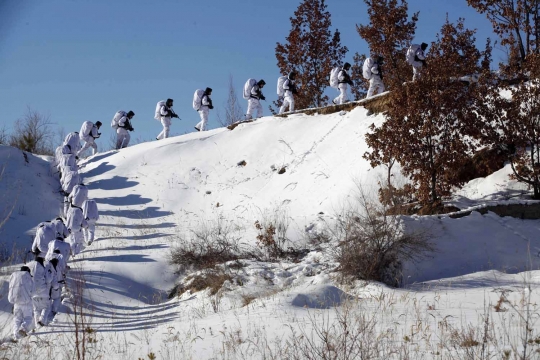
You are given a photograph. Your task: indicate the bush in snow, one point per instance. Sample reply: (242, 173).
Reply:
(33, 133)
(372, 245)
(207, 246)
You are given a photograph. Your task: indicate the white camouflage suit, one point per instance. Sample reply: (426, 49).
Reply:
(72, 139)
(91, 214)
(342, 86)
(21, 287)
(288, 98)
(417, 65)
(75, 224)
(254, 104)
(203, 112)
(165, 121)
(43, 276)
(88, 137)
(62, 246)
(375, 82)
(122, 134)
(45, 233)
(56, 264)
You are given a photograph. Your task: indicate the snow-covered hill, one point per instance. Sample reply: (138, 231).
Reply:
(152, 195)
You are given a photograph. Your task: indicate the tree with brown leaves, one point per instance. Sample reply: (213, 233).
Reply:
(517, 22)
(512, 117)
(312, 51)
(429, 123)
(389, 34)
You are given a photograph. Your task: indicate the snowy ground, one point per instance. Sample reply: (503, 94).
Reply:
(151, 195)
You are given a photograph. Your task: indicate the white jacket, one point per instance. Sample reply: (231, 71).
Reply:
(72, 139)
(90, 210)
(67, 161)
(78, 195)
(75, 219)
(61, 229)
(64, 247)
(69, 180)
(45, 233)
(164, 111)
(287, 84)
(43, 277)
(21, 287)
(60, 268)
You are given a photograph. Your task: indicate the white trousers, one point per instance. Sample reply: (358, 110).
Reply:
(204, 119)
(76, 240)
(254, 104)
(375, 85)
(41, 306)
(90, 231)
(88, 142)
(417, 70)
(166, 122)
(66, 206)
(22, 318)
(343, 97)
(288, 101)
(56, 296)
(122, 138)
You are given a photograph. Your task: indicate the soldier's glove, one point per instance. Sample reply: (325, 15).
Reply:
(262, 97)
(210, 107)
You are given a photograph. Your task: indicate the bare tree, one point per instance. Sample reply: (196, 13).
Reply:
(33, 133)
(3, 135)
(233, 110)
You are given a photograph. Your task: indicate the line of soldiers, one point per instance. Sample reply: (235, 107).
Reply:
(37, 289)
(286, 89)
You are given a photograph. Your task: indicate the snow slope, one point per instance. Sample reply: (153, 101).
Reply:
(153, 194)
(28, 196)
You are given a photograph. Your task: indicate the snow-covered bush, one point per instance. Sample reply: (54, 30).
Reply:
(372, 245)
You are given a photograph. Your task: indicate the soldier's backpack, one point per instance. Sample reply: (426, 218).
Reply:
(78, 195)
(86, 128)
(366, 69)
(280, 81)
(161, 103)
(90, 210)
(334, 81)
(411, 53)
(247, 88)
(197, 99)
(119, 114)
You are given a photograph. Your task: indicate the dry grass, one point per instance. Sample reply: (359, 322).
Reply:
(372, 244)
(211, 244)
(210, 279)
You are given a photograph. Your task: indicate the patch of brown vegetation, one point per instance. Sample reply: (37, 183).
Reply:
(232, 126)
(212, 280)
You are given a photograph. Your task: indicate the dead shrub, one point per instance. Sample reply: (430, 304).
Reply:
(211, 244)
(272, 232)
(247, 299)
(33, 133)
(210, 279)
(372, 245)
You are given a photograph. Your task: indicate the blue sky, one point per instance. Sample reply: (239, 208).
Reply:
(78, 60)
